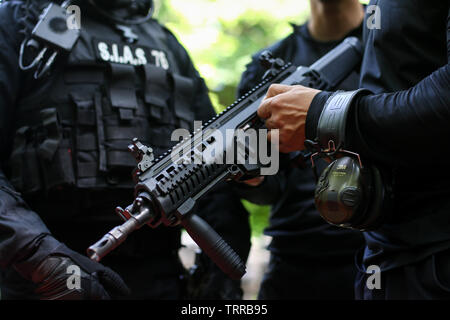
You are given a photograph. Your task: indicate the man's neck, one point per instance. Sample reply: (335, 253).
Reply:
(332, 20)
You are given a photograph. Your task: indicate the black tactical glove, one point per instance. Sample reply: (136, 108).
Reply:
(68, 275)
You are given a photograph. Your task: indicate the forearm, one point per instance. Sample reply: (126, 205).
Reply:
(21, 228)
(396, 128)
(404, 128)
(416, 120)
(267, 193)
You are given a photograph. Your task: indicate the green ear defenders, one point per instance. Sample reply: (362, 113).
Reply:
(348, 194)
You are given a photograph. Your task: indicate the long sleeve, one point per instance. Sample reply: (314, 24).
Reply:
(267, 193)
(394, 125)
(402, 128)
(21, 230)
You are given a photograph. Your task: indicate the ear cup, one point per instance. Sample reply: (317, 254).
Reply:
(378, 207)
(339, 195)
(348, 196)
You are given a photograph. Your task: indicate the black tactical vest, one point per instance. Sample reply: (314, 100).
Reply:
(74, 129)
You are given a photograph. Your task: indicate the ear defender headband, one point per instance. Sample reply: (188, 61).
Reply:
(348, 194)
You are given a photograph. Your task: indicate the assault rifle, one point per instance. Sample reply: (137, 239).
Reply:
(166, 191)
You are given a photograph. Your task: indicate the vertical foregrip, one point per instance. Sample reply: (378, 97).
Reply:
(214, 246)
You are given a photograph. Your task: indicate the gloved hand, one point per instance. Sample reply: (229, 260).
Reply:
(60, 278)
(67, 275)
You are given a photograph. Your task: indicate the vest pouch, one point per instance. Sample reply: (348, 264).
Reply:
(124, 118)
(122, 90)
(55, 151)
(118, 136)
(157, 92)
(89, 153)
(183, 100)
(160, 136)
(24, 163)
(58, 171)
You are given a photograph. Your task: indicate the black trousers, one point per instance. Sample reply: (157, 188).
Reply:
(425, 279)
(297, 278)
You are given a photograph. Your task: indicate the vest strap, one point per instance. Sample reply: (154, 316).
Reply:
(100, 132)
(156, 92)
(122, 92)
(183, 94)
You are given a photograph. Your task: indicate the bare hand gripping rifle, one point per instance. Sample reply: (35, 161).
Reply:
(166, 191)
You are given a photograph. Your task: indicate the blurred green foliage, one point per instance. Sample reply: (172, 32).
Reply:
(222, 35)
(259, 217)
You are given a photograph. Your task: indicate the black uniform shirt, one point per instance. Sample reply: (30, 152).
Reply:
(295, 224)
(405, 126)
(21, 228)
